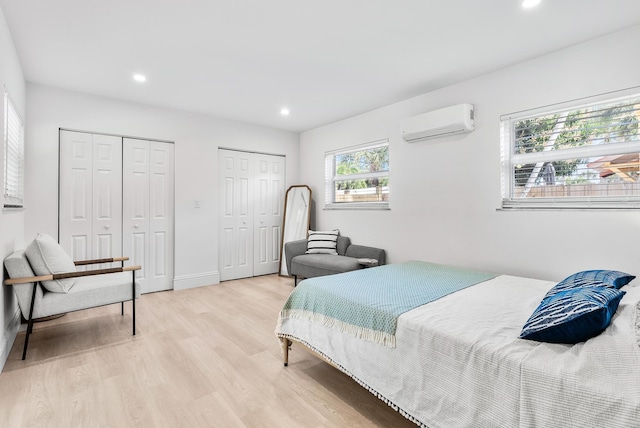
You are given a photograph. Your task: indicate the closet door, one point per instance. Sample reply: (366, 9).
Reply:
(148, 211)
(161, 237)
(268, 206)
(251, 190)
(135, 213)
(236, 216)
(90, 208)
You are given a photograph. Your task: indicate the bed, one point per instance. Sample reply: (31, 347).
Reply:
(457, 360)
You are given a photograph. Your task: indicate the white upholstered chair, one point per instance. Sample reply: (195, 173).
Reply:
(46, 283)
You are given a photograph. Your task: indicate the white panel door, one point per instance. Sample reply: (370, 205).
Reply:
(90, 210)
(135, 212)
(161, 216)
(76, 186)
(268, 205)
(251, 190)
(107, 197)
(236, 216)
(147, 195)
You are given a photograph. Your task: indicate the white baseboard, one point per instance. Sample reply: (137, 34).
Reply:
(8, 337)
(198, 280)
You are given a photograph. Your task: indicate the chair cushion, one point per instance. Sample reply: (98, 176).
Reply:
(89, 292)
(18, 266)
(47, 257)
(312, 265)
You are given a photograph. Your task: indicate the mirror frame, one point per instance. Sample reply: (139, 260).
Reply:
(284, 223)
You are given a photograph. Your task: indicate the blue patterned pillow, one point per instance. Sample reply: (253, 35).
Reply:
(573, 315)
(590, 278)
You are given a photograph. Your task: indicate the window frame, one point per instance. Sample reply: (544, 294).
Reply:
(331, 177)
(14, 152)
(509, 158)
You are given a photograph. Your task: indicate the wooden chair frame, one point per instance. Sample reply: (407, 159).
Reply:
(56, 276)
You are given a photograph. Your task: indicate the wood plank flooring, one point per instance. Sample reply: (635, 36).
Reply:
(204, 357)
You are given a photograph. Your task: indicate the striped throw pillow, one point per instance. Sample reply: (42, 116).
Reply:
(323, 242)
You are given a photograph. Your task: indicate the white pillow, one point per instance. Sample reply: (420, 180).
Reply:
(46, 256)
(323, 242)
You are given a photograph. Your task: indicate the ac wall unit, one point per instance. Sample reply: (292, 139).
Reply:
(446, 121)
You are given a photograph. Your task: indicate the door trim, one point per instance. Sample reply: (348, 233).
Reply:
(116, 135)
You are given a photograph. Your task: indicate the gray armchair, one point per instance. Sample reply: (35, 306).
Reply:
(350, 257)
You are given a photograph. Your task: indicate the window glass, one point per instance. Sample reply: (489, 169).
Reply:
(358, 177)
(585, 155)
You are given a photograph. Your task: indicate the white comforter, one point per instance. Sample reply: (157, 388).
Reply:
(459, 363)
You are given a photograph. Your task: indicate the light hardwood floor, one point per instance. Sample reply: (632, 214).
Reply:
(205, 357)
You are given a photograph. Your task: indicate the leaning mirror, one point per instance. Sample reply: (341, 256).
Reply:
(295, 222)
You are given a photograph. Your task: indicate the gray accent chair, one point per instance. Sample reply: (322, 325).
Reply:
(304, 265)
(92, 288)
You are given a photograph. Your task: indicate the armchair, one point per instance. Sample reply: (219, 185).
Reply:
(89, 288)
(350, 257)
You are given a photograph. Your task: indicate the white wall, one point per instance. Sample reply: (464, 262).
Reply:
(445, 192)
(11, 222)
(196, 138)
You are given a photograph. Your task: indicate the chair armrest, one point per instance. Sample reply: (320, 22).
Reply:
(27, 279)
(97, 261)
(14, 281)
(292, 249)
(364, 252)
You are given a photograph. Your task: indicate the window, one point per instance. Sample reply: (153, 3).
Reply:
(358, 177)
(13, 156)
(578, 155)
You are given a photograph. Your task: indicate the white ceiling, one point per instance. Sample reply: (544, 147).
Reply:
(325, 60)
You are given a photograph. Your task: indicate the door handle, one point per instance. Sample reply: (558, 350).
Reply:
(106, 226)
(135, 226)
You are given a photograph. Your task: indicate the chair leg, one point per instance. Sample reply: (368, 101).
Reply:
(133, 300)
(29, 322)
(295, 280)
(121, 308)
(26, 340)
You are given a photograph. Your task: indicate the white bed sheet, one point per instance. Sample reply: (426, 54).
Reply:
(459, 363)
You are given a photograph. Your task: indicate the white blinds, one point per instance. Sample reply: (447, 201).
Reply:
(13, 156)
(580, 155)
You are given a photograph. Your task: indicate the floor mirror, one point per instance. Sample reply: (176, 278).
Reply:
(295, 221)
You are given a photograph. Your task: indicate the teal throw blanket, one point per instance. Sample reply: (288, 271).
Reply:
(367, 303)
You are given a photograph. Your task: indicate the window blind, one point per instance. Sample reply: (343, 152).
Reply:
(579, 155)
(13, 156)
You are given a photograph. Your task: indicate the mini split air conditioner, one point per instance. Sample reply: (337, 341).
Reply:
(446, 121)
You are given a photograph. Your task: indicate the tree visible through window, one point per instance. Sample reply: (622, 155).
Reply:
(583, 156)
(358, 177)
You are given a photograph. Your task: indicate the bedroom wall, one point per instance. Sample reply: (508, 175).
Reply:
(196, 138)
(445, 192)
(11, 221)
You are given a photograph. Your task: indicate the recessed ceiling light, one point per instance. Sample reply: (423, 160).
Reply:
(530, 3)
(139, 77)
(285, 112)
